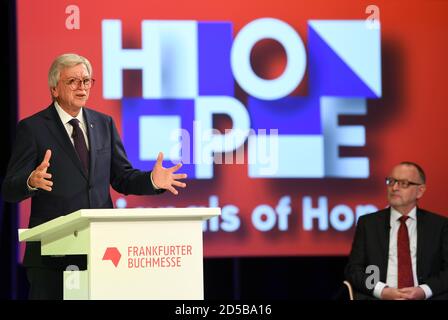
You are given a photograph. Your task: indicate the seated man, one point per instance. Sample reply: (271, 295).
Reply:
(401, 252)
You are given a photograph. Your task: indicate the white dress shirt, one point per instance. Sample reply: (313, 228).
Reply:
(65, 118)
(392, 266)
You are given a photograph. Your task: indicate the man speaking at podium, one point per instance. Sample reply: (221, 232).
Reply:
(65, 158)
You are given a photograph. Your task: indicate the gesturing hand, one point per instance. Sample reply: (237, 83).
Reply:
(165, 178)
(40, 178)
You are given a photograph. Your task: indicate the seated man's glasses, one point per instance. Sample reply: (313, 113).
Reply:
(401, 183)
(75, 83)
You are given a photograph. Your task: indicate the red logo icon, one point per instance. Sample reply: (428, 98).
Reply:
(113, 255)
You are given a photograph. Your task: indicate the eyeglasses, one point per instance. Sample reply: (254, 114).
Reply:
(75, 83)
(401, 183)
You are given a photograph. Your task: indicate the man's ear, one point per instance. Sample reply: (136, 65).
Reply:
(421, 190)
(54, 92)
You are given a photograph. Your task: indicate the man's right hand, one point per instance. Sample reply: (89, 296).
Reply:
(39, 178)
(391, 294)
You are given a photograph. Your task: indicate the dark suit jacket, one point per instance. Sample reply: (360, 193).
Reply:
(371, 247)
(72, 189)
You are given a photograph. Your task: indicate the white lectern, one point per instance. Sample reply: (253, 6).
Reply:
(131, 253)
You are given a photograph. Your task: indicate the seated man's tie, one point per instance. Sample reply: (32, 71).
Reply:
(405, 276)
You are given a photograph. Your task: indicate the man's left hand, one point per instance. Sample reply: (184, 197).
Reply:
(166, 178)
(412, 293)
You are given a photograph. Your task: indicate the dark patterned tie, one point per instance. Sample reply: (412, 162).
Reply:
(80, 144)
(405, 277)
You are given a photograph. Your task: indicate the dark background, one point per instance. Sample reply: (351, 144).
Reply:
(224, 278)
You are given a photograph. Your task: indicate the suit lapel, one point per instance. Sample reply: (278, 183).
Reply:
(384, 235)
(421, 225)
(57, 129)
(93, 139)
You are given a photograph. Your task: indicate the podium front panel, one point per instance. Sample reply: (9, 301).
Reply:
(146, 260)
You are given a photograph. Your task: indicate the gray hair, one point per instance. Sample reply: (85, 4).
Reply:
(67, 60)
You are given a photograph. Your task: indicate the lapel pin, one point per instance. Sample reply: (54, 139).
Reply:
(91, 125)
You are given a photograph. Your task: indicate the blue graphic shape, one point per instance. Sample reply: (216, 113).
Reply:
(133, 109)
(214, 46)
(298, 150)
(291, 115)
(286, 156)
(358, 44)
(329, 75)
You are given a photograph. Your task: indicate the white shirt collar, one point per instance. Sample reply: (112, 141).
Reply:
(395, 215)
(65, 117)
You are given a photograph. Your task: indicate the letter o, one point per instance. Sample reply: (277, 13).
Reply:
(269, 213)
(268, 28)
(341, 210)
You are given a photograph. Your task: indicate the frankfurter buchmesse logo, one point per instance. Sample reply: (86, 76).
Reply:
(189, 69)
(150, 256)
(112, 254)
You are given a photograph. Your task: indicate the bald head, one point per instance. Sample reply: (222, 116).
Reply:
(407, 185)
(419, 169)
